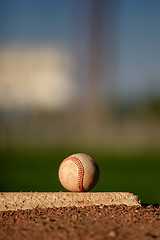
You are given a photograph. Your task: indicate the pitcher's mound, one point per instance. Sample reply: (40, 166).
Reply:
(89, 222)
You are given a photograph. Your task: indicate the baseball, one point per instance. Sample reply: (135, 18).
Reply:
(78, 173)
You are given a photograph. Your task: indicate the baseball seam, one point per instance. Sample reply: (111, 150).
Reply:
(90, 158)
(80, 171)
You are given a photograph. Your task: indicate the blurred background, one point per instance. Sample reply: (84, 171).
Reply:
(80, 76)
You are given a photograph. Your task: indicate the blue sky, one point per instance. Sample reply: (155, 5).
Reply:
(139, 46)
(27, 20)
(138, 35)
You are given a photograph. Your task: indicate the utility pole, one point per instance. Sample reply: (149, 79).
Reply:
(96, 35)
(100, 53)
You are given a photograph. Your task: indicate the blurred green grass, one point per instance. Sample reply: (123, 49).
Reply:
(36, 170)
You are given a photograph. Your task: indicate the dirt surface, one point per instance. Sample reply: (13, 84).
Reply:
(97, 222)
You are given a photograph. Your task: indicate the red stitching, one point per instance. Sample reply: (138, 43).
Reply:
(90, 157)
(80, 171)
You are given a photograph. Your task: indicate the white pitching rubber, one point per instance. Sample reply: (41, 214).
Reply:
(30, 200)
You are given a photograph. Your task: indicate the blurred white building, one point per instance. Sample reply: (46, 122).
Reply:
(36, 78)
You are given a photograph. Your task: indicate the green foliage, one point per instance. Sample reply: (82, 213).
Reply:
(37, 170)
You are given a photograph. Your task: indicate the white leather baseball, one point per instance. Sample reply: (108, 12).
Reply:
(78, 173)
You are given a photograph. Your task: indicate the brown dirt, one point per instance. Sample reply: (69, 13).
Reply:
(103, 222)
